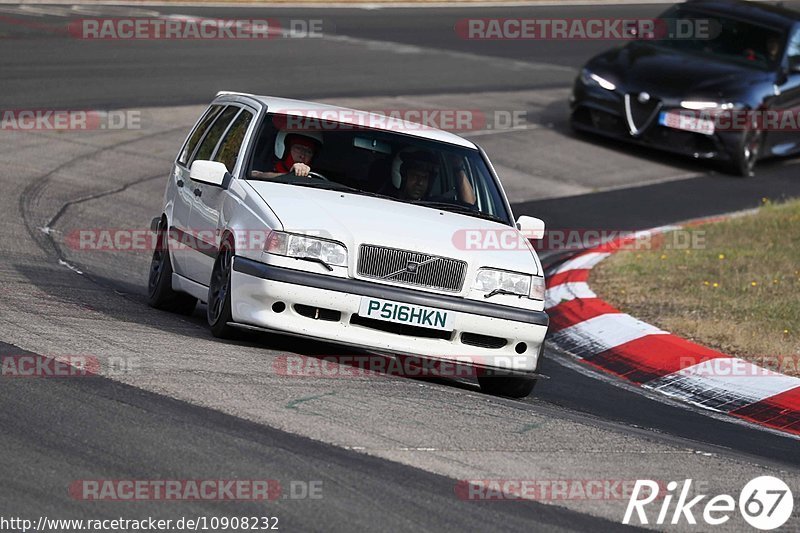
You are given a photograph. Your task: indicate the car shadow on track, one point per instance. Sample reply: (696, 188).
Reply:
(72, 296)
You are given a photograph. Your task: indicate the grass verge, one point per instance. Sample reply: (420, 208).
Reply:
(733, 286)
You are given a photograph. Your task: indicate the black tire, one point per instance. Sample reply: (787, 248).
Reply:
(219, 293)
(510, 386)
(748, 150)
(159, 281)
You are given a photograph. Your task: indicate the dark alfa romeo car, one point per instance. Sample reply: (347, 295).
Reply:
(747, 64)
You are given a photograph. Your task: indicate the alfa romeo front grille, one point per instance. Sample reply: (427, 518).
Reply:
(640, 111)
(404, 267)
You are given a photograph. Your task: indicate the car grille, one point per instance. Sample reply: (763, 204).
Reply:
(640, 114)
(482, 341)
(398, 266)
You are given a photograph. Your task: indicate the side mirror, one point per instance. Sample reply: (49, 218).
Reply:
(210, 172)
(532, 227)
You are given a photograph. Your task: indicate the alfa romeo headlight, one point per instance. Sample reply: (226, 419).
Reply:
(303, 247)
(590, 78)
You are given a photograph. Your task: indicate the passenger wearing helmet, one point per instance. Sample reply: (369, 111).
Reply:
(294, 152)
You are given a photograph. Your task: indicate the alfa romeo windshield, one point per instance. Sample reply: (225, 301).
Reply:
(724, 38)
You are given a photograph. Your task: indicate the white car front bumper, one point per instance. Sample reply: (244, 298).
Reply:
(326, 308)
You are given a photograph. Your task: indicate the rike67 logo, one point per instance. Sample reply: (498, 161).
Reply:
(765, 503)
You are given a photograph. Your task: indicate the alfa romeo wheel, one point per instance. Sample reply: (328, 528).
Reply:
(747, 152)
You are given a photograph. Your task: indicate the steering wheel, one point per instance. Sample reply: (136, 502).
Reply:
(318, 176)
(310, 175)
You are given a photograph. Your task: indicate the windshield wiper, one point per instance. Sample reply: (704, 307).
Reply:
(458, 209)
(373, 194)
(501, 291)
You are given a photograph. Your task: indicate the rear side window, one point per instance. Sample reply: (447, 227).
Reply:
(212, 137)
(198, 132)
(232, 143)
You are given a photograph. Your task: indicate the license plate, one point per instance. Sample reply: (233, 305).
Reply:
(413, 315)
(686, 122)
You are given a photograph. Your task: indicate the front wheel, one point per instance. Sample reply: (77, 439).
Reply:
(219, 294)
(743, 162)
(511, 386)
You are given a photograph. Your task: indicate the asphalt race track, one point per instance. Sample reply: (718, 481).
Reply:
(387, 451)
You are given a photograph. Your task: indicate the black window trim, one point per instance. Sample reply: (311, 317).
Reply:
(197, 125)
(205, 134)
(224, 134)
(240, 154)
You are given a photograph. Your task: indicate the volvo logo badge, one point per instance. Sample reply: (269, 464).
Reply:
(412, 267)
(643, 98)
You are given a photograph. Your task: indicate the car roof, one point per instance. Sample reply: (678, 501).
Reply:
(761, 13)
(354, 117)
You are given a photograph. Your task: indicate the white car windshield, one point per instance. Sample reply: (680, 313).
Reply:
(381, 163)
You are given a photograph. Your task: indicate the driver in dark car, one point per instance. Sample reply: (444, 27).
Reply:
(299, 150)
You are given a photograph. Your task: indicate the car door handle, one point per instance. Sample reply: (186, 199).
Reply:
(180, 183)
(198, 192)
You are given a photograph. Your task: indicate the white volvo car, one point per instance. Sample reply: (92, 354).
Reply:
(333, 224)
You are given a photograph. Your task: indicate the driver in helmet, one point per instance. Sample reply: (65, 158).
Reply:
(298, 151)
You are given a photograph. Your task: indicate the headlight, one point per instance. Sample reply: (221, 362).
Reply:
(590, 78)
(302, 247)
(490, 280)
